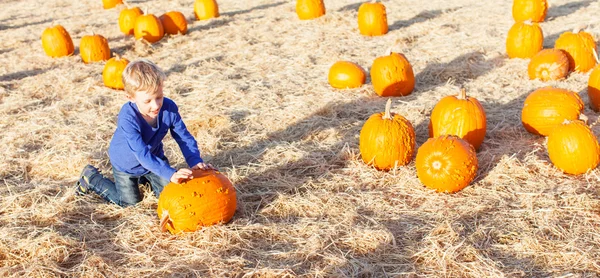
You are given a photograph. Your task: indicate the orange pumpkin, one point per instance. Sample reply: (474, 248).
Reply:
(309, 9)
(112, 75)
(109, 4)
(547, 107)
(392, 75)
(94, 48)
(581, 49)
(534, 10)
(594, 89)
(207, 199)
(446, 163)
(372, 19)
(524, 40)
(573, 147)
(57, 42)
(149, 28)
(206, 9)
(387, 140)
(344, 74)
(459, 115)
(127, 19)
(549, 64)
(174, 23)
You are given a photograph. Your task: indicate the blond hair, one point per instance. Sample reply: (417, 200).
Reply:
(142, 75)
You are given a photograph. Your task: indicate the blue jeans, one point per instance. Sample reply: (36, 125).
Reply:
(125, 191)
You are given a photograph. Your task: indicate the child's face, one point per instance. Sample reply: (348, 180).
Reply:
(149, 103)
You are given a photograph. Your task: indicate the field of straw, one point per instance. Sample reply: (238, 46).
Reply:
(252, 88)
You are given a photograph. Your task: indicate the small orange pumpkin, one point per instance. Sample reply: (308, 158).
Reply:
(594, 89)
(446, 163)
(524, 40)
(309, 9)
(206, 9)
(174, 23)
(94, 48)
(387, 140)
(392, 75)
(581, 49)
(459, 115)
(149, 28)
(573, 147)
(372, 19)
(549, 64)
(57, 42)
(112, 75)
(207, 199)
(127, 19)
(109, 4)
(534, 10)
(547, 107)
(344, 74)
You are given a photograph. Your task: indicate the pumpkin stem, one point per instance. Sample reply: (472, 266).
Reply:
(579, 28)
(373, 1)
(388, 106)
(595, 55)
(583, 118)
(389, 50)
(164, 221)
(462, 94)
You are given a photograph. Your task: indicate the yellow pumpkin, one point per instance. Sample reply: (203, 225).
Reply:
(206, 9)
(534, 10)
(549, 64)
(309, 9)
(547, 107)
(392, 75)
(344, 74)
(94, 48)
(149, 28)
(109, 4)
(57, 42)
(524, 40)
(581, 49)
(573, 147)
(127, 19)
(112, 75)
(594, 89)
(372, 19)
(174, 23)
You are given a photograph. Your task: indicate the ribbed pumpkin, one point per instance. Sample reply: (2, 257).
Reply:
(594, 89)
(446, 163)
(94, 48)
(112, 75)
(309, 9)
(206, 9)
(387, 140)
(459, 115)
(547, 107)
(524, 40)
(372, 19)
(549, 64)
(57, 42)
(149, 28)
(207, 199)
(534, 10)
(580, 47)
(127, 19)
(174, 23)
(109, 4)
(344, 74)
(573, 147)
(392, 75)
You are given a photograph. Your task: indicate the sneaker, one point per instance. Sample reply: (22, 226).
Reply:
(83, 184)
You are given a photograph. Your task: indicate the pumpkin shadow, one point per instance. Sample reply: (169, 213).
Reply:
(549, 41)
(260, 7)
(22, 74)
(350, 7)
(200, 25)
(6, 27)
(420, 17)
(555, 12)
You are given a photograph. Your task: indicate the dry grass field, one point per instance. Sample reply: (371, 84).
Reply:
(252, 88)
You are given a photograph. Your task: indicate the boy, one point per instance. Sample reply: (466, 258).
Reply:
(136, 149)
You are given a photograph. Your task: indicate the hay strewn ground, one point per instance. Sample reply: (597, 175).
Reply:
(252, 87)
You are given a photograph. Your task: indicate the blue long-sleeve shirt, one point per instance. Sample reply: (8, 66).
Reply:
(136, 147)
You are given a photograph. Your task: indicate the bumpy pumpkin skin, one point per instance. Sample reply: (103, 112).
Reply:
(387, 141)
(594, 89)
(109, 4)
(573, 148)
(459, 115)
(446, 163)
(392, 76)
(127, 19)
(57, 42)
(174, 23)
(208, 199)
(206, 9)
(346, 75)
(548, 107)
(549, 64)
(372, 19)
(112, 75)
(310, 9)
(534, 10)
(524, 40)
(580, 47)
(149, 28)
(94, 48)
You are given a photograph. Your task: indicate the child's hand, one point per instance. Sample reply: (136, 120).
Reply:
(203, 166)
(182, 175)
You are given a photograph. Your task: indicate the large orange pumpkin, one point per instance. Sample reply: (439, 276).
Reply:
(446, 163)
(547, 107)
(57, 42)
(174, 23)
(207, 199)
(109, 4)
(594, 89)
(94, 48)
(581, 49)
(127, 19)
(524, 40)
(459, 115)
(534, 10)
(387, 140)
(573, 147)
(309, 9)
(392, 75)
(344, 74)
(206, 9)
(372, 19)
(112, 75)
(149, 28)
(549, 64)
